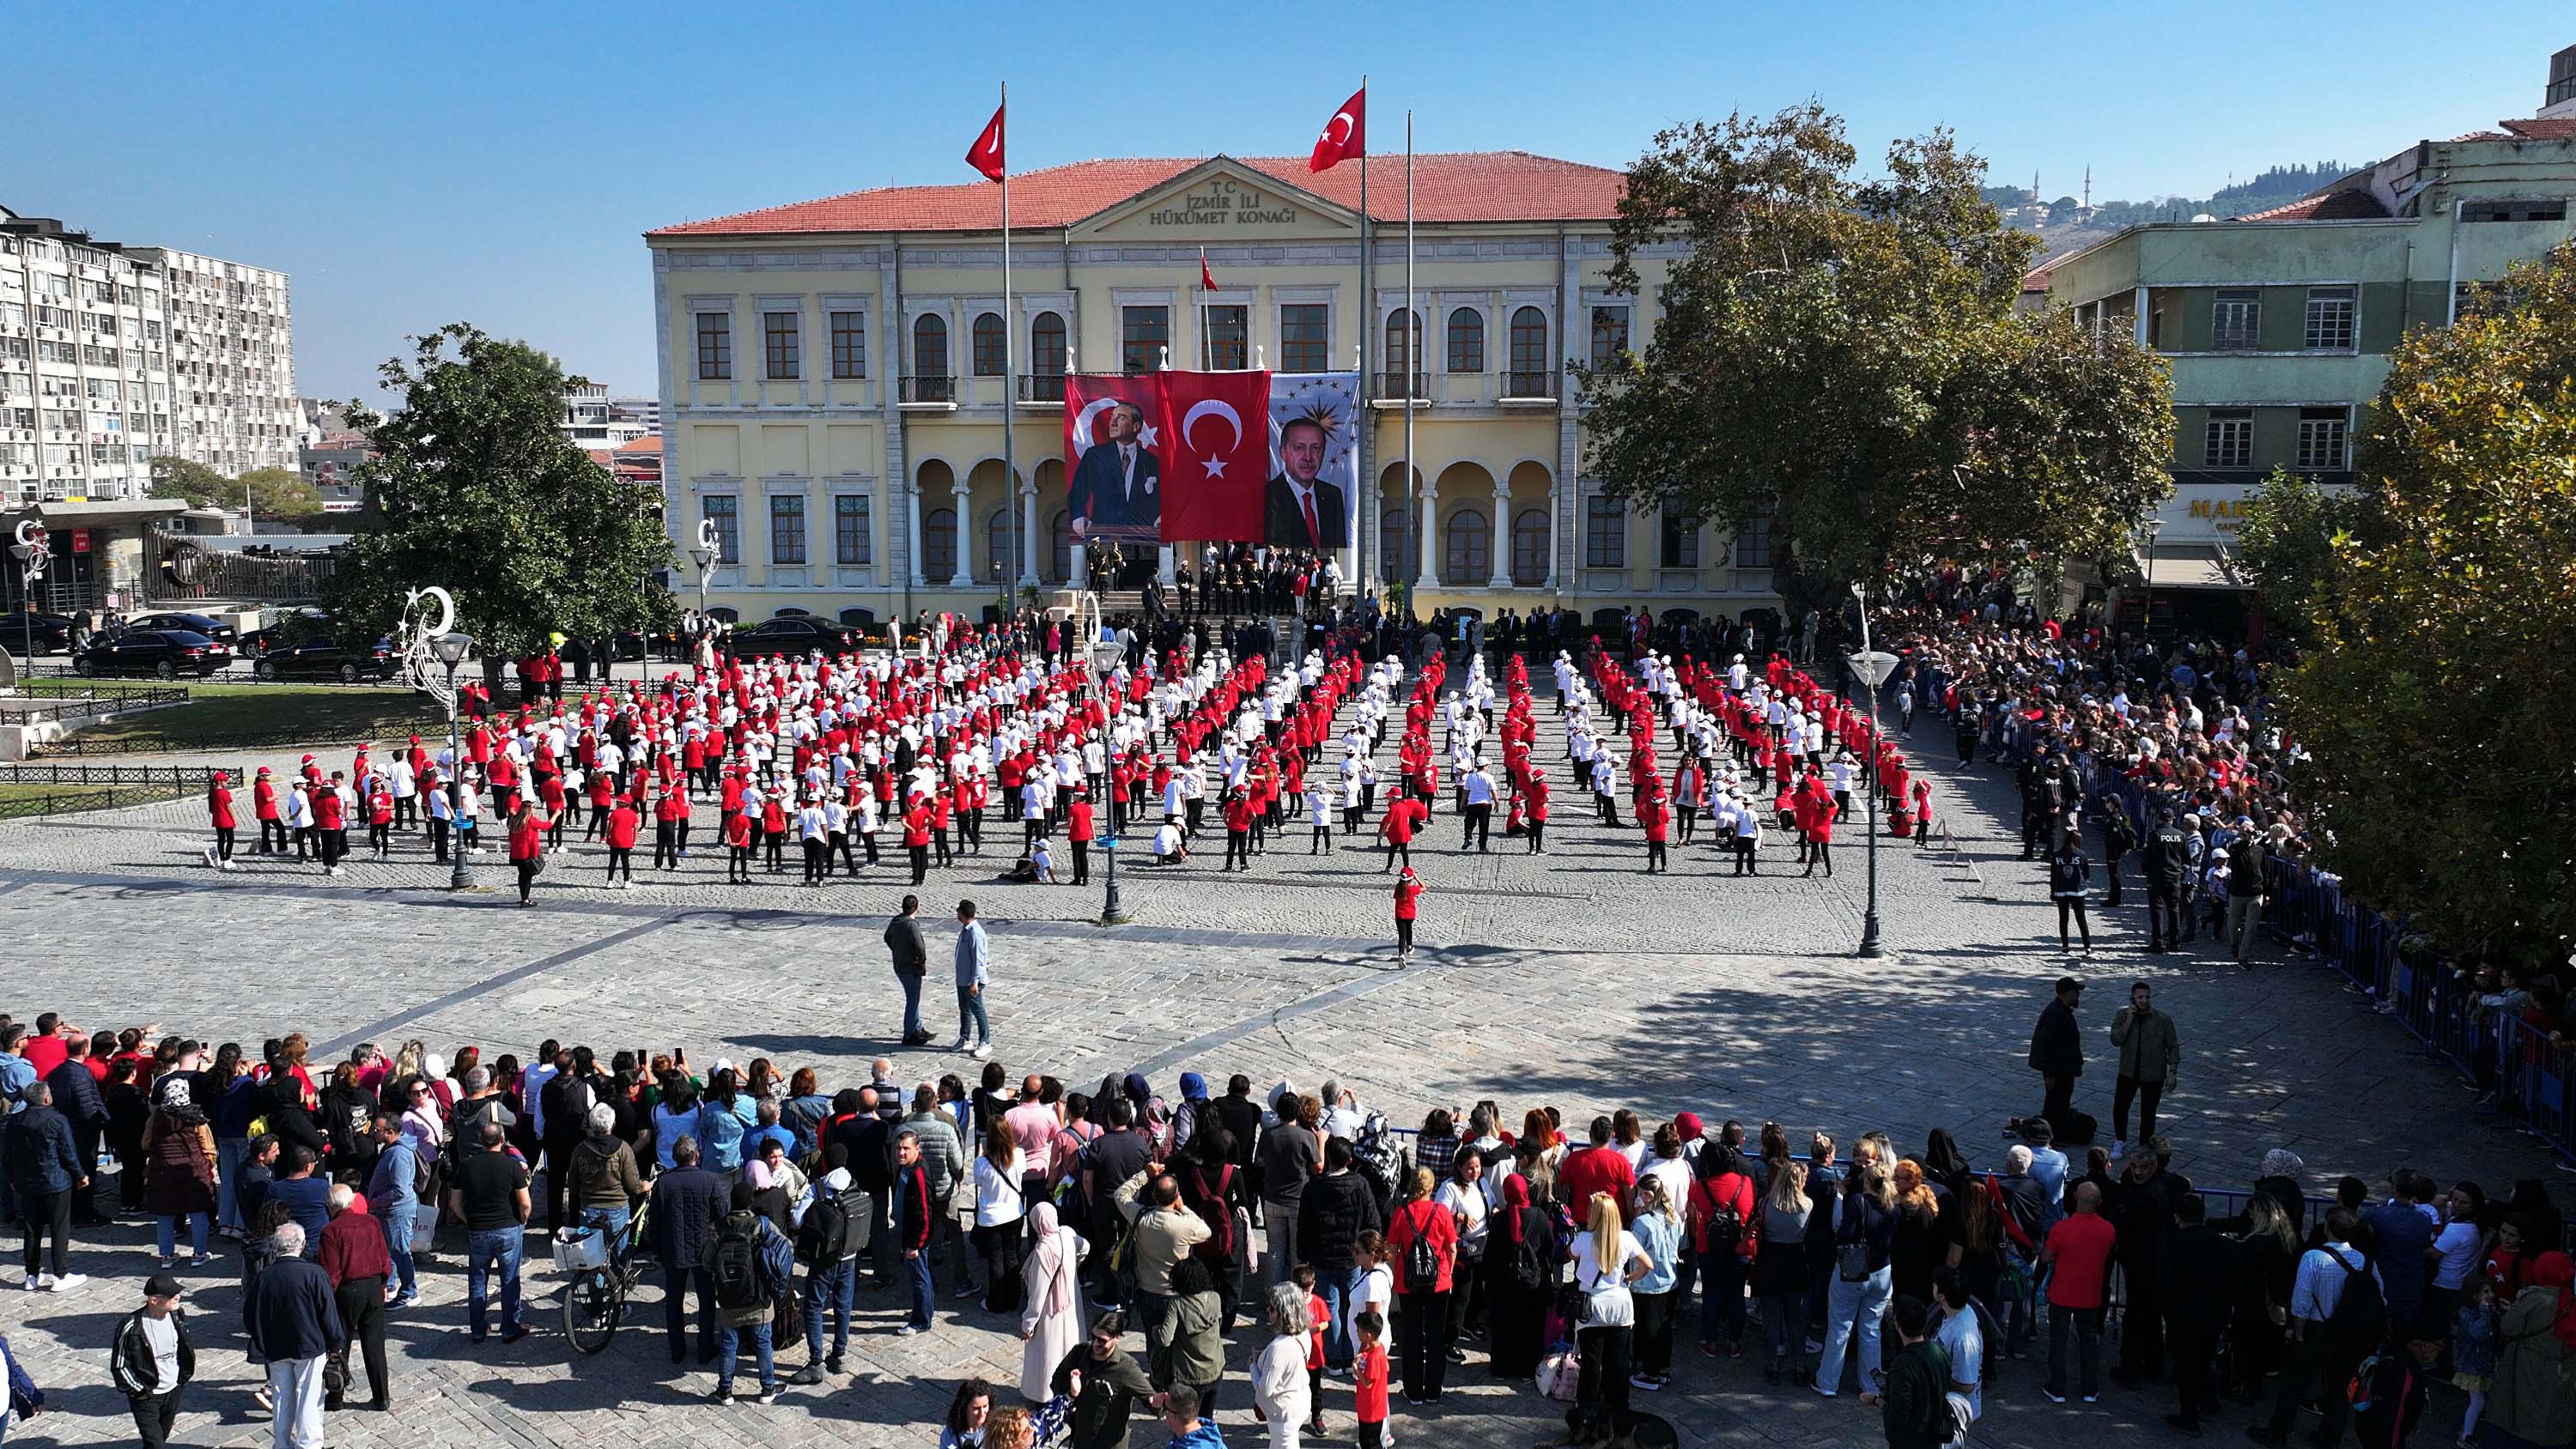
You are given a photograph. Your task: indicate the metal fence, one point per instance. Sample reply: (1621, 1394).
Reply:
(72, 802)
(39, 708)
(174, 777)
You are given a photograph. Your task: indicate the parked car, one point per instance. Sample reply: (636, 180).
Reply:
(792, 635)
(206, 624)
(168, 653)
(289, 629)
(321, 656)
(50, 633)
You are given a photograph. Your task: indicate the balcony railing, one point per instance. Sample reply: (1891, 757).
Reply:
(1043, 387)
(1530, 386)
(941, 388)
(1398, 386)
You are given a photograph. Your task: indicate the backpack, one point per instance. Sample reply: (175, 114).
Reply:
(2363, 1388)
(1721, 1227)
(1421, 1260)
(424, 1175)
(825, 1232)
(2360, 1316)
(734, 1266)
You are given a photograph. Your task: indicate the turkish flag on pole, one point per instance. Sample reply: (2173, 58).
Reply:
(1207, 279)
(986, 154)
(1345, 135)
(1215, 454)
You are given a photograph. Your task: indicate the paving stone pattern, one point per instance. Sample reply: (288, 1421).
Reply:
(1569, 978)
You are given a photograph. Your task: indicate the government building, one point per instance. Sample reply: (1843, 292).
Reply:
(834, 388)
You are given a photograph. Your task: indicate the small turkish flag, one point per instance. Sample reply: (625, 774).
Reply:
(1345, 135)
(1207, 279)
(986, 154)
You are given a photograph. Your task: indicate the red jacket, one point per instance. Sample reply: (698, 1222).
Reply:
(353, 1247)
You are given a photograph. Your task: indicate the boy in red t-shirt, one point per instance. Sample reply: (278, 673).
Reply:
(1369, 1374)
(1303, 1275)
(1408, 897)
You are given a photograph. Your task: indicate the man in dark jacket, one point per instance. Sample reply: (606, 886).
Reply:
(687, 1202)
(77, 1097)
(294, 1324)
(1335, 1209)
(568, 1097)
(152, 1360)
(2057, 1054)
(911, 960)
(2141, 1213)
(867, 1143)
(2196, 1279)
(915, 1219)
(1111, 1158)
(44, 1169)
(1914, 1407)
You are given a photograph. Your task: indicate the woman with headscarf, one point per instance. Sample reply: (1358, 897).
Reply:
(2535, 1383)
(1051, 1307)
(179, 1171)
(1521, 1271)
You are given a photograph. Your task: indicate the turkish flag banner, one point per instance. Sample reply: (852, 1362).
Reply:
(1345, 136)
(1216, 443)
(986, 154)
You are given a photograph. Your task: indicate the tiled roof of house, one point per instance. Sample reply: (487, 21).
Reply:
(2347, 204)
(649, 443)
(1447, 187)
(2535, 128)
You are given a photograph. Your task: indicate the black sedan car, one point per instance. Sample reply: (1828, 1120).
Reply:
(792, 636)
(49, 633)
(168, 653)
(321, 656)
(206, 624)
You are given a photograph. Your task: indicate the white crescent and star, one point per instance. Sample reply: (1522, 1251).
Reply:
(1082, 420)
(1212, 407)
(1340, 118)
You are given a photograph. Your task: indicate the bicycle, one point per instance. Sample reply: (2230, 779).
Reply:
(594, 1302)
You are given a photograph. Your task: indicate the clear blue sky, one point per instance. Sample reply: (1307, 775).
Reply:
(411, 165)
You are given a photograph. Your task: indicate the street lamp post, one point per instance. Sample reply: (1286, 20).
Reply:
(2154, 526)
(1872, 668)
(451, 649)
(1086, 618)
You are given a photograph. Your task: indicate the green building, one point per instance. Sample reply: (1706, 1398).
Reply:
(2278, 325)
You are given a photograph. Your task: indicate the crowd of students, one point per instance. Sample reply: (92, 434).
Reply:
(1374, 1261)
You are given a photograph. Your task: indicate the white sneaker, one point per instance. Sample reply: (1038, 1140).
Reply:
(68, 1282)
(38, 1283)
(981, 1051)
(335, 870)
(228, 865)
(210, 856)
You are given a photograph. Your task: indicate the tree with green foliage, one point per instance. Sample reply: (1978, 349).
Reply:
(2434, 705)
(273, 493)
(2286, 547)
(1843, 356)
(474, 488)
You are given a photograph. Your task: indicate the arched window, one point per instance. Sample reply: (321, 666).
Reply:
(1060, 546)
(1467, 548)
(1391, 544)
(930, 347)
(858, 618)
(989, 341)
(1046, 345)
(1466, 340)
(1529, 376)
(1403, 353)
(997, 543)
(939, 545)
(790, 612)
(1529, 547)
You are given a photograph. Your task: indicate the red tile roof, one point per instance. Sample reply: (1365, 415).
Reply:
(1447, 187)
(2349, 204)
(2553, 128)
(649, 443)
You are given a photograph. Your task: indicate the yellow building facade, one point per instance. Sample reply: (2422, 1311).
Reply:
(836, 377)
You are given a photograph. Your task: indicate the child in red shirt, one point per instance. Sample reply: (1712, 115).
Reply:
(1304, 1277)
(1408, 894)
(1370, 1381)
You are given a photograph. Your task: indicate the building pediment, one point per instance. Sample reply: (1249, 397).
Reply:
(1220, 200)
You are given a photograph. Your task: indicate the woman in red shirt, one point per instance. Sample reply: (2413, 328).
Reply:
(219, 811)
(1422, 1313)
(1408, 892)
(527, 845)
(625, 822)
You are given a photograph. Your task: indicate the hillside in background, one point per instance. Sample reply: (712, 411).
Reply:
(2064, 225)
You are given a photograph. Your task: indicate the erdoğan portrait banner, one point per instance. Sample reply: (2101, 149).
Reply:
(1218, 457)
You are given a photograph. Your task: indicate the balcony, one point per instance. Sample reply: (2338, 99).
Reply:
(1044, 387)
(1529, 387)
(1395, 388)
(939, 391)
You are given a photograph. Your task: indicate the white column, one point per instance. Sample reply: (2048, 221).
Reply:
(1552, 528)
(1029, 536)
(1163, 558)
(1426, 525)
(912, 529)
(1501, 544)
(1081, 562)
(965, 578)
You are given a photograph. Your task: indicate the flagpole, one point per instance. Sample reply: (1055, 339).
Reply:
(1412, 344)
(1366, 313)
(1010, 383)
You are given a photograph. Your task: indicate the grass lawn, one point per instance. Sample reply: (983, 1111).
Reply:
(274, 716)
(29, 799)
